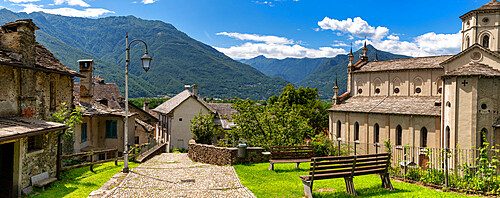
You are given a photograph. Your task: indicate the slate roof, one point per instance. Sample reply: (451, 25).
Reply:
(492, 6)
(431, 62)
(18, 127)
(224, 111)
(403, 105)
(147, 127)
(44, 61)
(105, 102)
(168, 106)
(473, 69)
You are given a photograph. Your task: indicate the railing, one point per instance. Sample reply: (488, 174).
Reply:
(88, 159)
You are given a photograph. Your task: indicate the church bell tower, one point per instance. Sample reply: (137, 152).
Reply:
(481, 26)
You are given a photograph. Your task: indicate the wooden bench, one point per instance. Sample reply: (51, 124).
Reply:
(290, 154)
(347, 167)
(42, 179)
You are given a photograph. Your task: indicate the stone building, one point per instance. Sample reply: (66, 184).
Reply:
(33, 85)
(102, 125)
(145, 123)
(175, 117)
(438, 101)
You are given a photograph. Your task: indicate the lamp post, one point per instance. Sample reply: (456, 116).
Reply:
(146, 63)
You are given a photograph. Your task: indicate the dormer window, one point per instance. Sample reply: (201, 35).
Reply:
(486, 41)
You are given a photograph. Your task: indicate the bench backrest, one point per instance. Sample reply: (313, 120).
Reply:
(341, 166)
(40, 177)
(292, 152)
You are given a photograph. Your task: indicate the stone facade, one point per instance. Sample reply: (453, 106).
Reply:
(221, 156)
(39, 161)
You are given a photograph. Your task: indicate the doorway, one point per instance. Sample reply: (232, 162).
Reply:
(7, 173)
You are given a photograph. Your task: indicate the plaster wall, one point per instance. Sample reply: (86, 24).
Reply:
(181, 121)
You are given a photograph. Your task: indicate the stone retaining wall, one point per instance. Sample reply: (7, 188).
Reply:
(221, 156)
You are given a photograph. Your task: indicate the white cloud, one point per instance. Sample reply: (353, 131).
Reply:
(339, 44)
(23, 1)
(148, 1)
(273, 47)
(429, 44)
(72, 3)
(356, 27)
(89, 12)
(258, 38)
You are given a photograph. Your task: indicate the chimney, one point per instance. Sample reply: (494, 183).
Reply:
(146, 106)
(86, 84)
(195, 89)
(19, 38)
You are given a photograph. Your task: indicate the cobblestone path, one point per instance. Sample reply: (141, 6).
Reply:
(175, 175)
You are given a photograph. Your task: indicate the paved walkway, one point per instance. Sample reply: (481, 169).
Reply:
(175, 175)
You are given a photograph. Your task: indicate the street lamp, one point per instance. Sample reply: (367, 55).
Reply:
(146, 64)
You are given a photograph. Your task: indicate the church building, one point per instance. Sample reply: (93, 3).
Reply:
(450, 101)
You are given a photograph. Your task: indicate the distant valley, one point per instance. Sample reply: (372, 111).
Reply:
(315, 72)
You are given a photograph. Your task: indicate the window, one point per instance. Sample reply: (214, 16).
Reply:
(483, 136)
(486, 20)
(423, 137)
(484, 106)
(418, 90)
(467, 42)
(440, 90)
(399, 135)
(84, 132)
(111, 129)
(356, 131)
(376, 133)
(339, 127)
(180, 119)
(396, 90)
(418, 82)
(35, 143)
(486, 41)
(377, 90)
(136, 139)
(52, 95)
(360, 91)
(447, 137)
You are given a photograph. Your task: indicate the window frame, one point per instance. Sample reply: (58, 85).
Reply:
(111, 129)
(83, 132)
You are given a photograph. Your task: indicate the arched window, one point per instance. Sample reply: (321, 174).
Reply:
(467, 42)
(448, 136)
(423, 137)
(483, 136)
(356, 131)
(486, 41)
(399, 135)
(339, 127)
(376, 133)
(396, 83)
(377, 84)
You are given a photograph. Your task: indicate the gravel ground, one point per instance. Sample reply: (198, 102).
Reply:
(175, 175)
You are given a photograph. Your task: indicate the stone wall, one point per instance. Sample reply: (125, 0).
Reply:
(221, 156)
(43, 160)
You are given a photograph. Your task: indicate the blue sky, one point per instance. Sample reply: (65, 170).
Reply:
(289, 28)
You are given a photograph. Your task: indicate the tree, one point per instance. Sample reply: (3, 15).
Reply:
(70, 118)
(268, 125)
(203, 128)
(307, 102)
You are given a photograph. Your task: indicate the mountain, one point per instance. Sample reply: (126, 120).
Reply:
(177, 58)
(336, 68)
(291, 69)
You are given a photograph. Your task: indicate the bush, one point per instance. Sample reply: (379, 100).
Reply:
(203, 128)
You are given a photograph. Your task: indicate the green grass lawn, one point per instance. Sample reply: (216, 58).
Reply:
(81, 182)
(284, 181)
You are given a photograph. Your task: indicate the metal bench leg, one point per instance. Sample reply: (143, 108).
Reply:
(307, 188)
(349, 184)
(271, 166)
(297, 165)
(386, 181)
